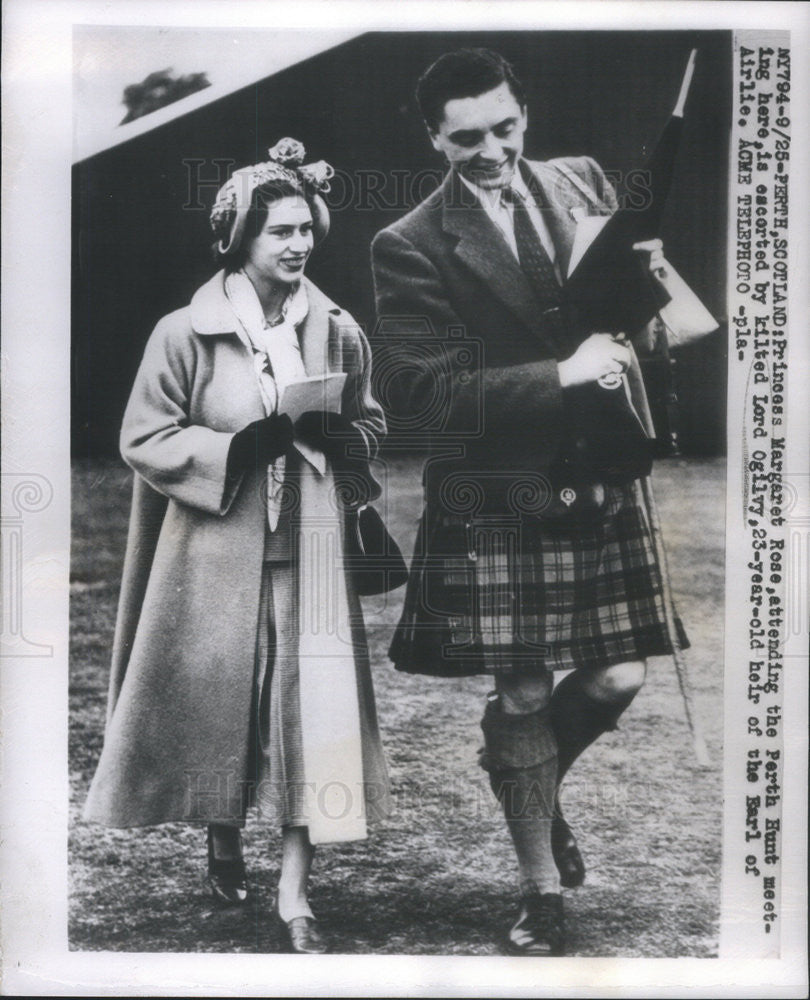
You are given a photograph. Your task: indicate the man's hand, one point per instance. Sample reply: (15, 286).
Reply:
(651, 253)
(600, 355)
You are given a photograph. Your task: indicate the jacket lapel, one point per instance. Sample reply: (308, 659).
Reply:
(483, 249)
(552, 196)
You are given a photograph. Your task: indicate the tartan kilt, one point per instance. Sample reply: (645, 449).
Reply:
(500, 595)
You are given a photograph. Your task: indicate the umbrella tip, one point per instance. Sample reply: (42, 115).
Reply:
(701, 752)
(687, 80)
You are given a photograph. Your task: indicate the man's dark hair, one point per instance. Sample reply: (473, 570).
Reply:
(464, 73)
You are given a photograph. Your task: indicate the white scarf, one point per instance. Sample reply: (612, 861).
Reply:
(276, 357)
(333, 794)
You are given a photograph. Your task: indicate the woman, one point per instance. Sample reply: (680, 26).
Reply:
(240, 669)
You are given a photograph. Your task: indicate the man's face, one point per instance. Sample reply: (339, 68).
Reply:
(482, 137)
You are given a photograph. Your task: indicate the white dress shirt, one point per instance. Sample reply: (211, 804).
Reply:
(501, 214)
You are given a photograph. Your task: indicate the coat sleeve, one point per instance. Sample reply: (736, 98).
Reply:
(359, 404)
(185, 462)
(360, 407)
(411, 299)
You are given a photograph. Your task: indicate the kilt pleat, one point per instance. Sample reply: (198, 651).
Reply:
(516, 597)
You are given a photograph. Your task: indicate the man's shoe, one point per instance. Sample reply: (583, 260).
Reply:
(227, 879)
(539, 930)
(566, 852)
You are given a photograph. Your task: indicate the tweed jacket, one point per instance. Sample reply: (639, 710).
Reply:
(445, 273)
(477, 381)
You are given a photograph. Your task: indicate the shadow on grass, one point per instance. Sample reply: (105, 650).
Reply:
(438, 878)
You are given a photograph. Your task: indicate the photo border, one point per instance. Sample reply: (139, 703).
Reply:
(37, 119)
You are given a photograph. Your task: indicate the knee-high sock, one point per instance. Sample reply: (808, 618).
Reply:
(578, 719)
(521, 760)
(527, 797)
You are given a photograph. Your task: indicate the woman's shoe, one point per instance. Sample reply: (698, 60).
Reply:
(227, 878)
(302, 935)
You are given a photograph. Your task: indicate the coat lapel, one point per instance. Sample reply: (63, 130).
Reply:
(212, 313)
(484, 250)
(481, 245)
(553, 198)
(314, 332)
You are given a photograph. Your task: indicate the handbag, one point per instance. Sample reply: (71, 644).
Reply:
(372, 556)
(604, 444)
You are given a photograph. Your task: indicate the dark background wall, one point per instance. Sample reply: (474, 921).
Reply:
(140, 216)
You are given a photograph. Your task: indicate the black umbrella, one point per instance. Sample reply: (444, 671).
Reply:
(610, 290)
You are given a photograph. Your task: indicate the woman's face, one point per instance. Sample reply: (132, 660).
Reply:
(280, 251)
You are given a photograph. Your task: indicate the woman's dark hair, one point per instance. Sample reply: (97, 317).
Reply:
(261, 199)
(464, 73)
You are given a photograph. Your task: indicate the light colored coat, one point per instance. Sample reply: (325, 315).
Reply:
(184, 651)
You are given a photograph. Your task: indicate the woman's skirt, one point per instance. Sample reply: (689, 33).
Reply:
(277, 740)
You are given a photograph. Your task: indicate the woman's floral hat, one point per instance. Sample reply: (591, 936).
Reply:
(286, 163)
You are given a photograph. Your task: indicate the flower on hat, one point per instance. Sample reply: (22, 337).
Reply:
(285, 162)
(318, 174)
(287, 151)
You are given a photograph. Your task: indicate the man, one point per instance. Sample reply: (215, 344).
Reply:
(503, 583)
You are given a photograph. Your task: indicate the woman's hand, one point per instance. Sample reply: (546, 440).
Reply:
(345, 446)
(259, 443)
(600, 355)
(330, 433)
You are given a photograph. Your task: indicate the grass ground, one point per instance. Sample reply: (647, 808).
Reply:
(438, 876)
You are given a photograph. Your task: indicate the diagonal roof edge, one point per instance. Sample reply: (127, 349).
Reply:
(91, 138)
